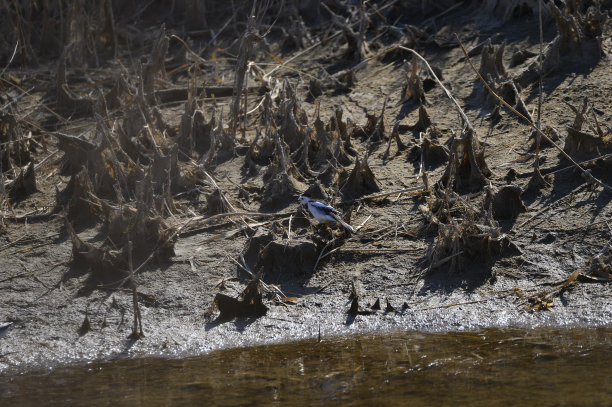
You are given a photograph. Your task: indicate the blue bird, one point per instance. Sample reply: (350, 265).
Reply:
(323, 213)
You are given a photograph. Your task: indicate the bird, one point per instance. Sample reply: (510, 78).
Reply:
(323, 213)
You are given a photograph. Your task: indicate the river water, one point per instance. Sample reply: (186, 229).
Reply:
(494, 367)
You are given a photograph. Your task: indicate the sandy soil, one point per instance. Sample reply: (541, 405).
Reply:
(524, 276)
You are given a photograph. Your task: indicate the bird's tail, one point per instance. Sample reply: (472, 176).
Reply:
(345, 225)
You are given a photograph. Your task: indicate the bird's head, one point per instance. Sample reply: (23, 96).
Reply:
(304, 199)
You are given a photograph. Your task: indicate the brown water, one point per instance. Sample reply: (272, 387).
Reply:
(485, 368)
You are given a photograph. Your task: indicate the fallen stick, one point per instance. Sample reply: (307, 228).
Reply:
(383, 250)
(456, 304)
(181, 94)
(383, 194)
(206, 219)
(367, 251)
(363, 223)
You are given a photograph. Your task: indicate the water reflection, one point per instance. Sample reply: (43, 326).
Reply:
(484, 368)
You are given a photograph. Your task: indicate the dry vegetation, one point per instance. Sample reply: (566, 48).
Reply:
(124, 136)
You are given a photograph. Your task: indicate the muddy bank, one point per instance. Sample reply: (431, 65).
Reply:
(151, 207)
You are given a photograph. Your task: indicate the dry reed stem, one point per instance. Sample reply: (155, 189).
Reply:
(248, 38)
(433, 74)
(223, 197)
(11, 58)
(383, 194)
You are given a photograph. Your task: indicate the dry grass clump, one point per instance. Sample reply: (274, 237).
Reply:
(428, 149)
(586, 136)
(281, 183)
(579, 37)
(467, 231)
(466, 170)
(125, 177)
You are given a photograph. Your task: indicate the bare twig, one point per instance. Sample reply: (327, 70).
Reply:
(11, 58)
(448, 94)
(384, 194)
(321, 255)
(363, 223)
(223, 197)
